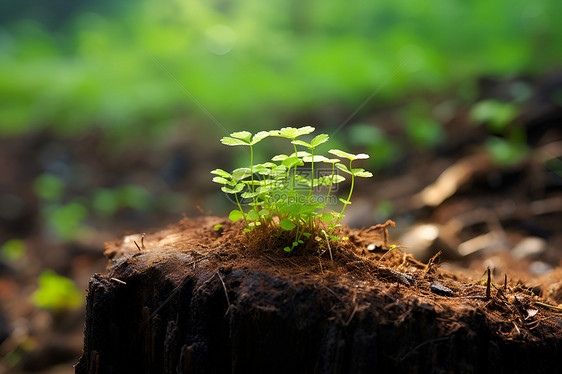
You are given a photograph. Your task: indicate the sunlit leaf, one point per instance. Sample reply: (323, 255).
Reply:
(235, 215)
(287, 224)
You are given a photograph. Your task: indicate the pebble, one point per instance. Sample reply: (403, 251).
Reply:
(439, 289)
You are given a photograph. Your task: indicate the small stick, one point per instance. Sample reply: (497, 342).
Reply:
(134, 241)
(142, 240)
(226, 293)
(488, 284)
(431, 262)
(505, 282)
(118, 280)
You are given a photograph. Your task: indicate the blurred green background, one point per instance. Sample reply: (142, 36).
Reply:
(111, 112)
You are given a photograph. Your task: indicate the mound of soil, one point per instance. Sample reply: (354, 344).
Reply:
(191, 299)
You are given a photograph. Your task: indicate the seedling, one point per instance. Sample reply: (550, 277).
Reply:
(281, 195)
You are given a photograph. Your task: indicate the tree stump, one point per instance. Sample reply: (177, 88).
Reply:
(191, 299)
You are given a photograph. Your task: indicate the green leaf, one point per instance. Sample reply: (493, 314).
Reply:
(327, 217)
(316, 158)
(287, 224)
(361, 173)
(292, 161)
(304, 130)
(260, 136)
(221, 173)
(343, 168)
(293, 133)
(244, 135)
(221, 180)
(300, 142)
(241, 173)
(253, 215)
(235, 215)
(322, 138)
(231, 141)
(217, 227)
(263, 212)
(287, 249)
(346, 202)
(364, 174)
(349, 156)
(279, 158)
(239, 187)
(250, 195)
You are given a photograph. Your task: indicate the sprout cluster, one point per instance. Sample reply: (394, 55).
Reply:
(275, 190)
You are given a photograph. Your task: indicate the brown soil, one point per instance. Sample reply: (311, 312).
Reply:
(190, 299)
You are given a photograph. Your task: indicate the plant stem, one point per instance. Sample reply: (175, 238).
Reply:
(311, 173)
(329, 189)
(350, 192)
(295, 168)
(240, 207)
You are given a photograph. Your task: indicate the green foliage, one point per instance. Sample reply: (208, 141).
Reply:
(112, 69)
(66, 220)
(49, 187)
(278, 192)
(56, 293)
(12, 250)
(496, 114)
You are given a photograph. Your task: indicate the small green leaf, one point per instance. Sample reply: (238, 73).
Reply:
(244, 135)
(235, 215)
(217, 227)
(250, 195)
(346, 202)
(287, 224)
(221, 173)
(221, 180)
(241, 173)
(364, 174)
(349, 156)
(260, 136)
(343, 168)
(253, 215)
(239, 187)
(292, 161)
(231, 141)
(316, 158)
(306, 234)
(279, 158)
(322, 138)
(293, 133)
(327, 217)
(300, 142)
(304, 130)
(263, 212)
(287, 249)
(299, 242)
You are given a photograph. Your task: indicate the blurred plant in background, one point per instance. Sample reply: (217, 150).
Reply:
(138, 69)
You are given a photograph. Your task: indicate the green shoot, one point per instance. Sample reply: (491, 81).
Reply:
(280, 196)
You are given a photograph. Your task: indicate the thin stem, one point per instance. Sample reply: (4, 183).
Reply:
(252, 176)
(311, 172)
(295, 168)
(329, 189)
(240, 207)
(350, 192)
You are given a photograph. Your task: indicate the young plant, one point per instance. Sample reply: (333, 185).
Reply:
(282, 197)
